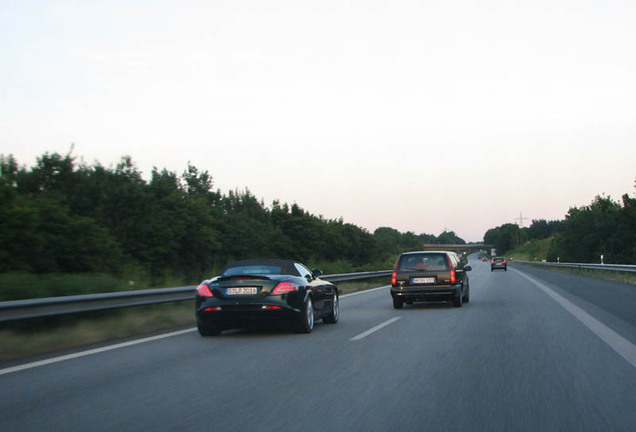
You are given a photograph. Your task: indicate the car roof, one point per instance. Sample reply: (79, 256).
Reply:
(287, 266)
(425, 252)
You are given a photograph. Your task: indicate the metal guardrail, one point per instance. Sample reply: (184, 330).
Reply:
(583, 266)
(345, 277)
(50, 306)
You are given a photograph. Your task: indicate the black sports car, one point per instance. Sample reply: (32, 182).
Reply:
(260, 292)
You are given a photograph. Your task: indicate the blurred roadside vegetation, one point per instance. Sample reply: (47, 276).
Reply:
(70, 228)
(28, 338)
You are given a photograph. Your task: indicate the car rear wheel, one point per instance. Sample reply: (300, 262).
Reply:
(306, 320)
(466, 298)
(457, 301)
(208, 331)
(397, 303)
(334, 314)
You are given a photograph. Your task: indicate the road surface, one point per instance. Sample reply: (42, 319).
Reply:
(534, 350)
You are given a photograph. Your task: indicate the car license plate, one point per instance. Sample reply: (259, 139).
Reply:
(423, 280)
(241, 291)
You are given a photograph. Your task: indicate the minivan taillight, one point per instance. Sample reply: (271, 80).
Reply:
(204, 291)
(394, 274)
(453, 275)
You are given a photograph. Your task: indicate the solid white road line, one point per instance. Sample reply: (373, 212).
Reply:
(93, 351)
(374, 329)
(617, 342)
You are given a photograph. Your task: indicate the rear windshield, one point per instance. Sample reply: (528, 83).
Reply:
(423, 262)
(499, 258)
(252, 270)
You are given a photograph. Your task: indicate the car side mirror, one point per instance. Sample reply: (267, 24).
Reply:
(317, 273)
(468, 268)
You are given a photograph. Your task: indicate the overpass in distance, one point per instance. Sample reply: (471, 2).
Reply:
(470, 247)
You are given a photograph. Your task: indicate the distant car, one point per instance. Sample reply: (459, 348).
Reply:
(265, 292)
(499, 263)
(484, 259)
(429, 276)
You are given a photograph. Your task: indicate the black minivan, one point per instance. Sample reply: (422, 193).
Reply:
(429, 276)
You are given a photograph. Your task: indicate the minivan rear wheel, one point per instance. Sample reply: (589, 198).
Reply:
(457, 301)
(397, 303)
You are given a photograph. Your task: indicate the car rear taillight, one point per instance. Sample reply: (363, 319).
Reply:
(204, 291)
(394, 274)
(284, 288)
(453, 275)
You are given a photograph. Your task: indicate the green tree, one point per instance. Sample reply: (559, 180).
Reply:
(449, 237)
(605, 227)
(388, 240)
(505, 237)
(541, 228)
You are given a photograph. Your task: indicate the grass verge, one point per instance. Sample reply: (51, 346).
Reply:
(42, 336)
(355, 286)
(534, 250)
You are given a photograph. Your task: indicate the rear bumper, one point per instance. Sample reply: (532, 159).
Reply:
(423, 294)
(229, 316)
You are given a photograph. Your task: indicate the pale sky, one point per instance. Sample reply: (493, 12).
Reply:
(416, 115)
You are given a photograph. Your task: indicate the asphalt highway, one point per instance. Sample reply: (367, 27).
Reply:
(534, 350)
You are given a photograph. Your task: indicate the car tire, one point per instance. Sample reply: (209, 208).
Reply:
(306, 319)
(334, 314)
(397, 303)
(208, 331)
(466, 298)
(457, 301)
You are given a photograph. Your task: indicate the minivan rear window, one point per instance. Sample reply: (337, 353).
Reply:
(419, 262)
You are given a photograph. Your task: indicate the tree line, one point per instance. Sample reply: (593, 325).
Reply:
(509, 236)
(605, 227)
(61, 216)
